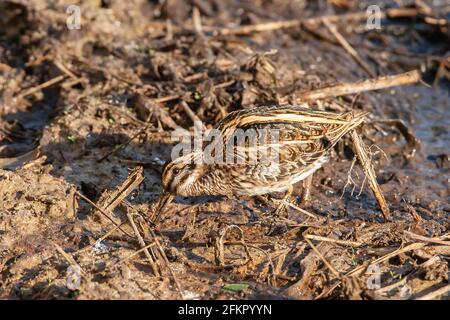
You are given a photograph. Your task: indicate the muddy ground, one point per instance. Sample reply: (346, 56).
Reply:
(110, 99)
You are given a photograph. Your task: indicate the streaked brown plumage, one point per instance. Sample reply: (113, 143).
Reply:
(304, 141)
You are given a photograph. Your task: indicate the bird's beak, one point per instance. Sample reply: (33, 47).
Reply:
(163, 201)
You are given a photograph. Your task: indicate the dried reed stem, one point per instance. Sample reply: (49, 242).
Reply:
(359, 148)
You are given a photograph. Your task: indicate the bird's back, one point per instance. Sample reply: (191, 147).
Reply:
(269, 148)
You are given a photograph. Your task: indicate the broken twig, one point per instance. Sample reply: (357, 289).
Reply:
(359, 86)
(359, 148)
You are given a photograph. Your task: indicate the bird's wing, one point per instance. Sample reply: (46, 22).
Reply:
(291, 136)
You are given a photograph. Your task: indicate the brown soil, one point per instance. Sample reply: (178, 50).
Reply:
(75, 135)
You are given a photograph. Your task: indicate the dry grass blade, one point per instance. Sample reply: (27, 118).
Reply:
(165, 99)
(195, 119)
(386, 257)
(143, 245)
(15, 162)
(44, 85)
(308, 266)
(360, 86)
(293, 206)
(408, 248)
(133, 180)
(426, 239)
(99, 240)
(369, 171)
(325, 261)
(271, 26)
(166, 261)
(347, 46)
(135, 253)
(397, 284)
(435, 294)
(106, 215)
(268, 26)
(196, 19)
(72, 203)
(343, 242)
(358, 270)
(219, 246)
(64, 69)
(123, 145)
(71, 260)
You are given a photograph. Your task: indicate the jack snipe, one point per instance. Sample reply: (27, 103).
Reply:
(301, 146)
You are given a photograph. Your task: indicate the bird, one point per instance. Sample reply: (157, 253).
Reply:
(297, 139)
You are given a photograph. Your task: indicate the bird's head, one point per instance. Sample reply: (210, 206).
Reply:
(178, 178)
(180, 175)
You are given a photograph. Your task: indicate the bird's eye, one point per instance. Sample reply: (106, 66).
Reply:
(176, 171)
